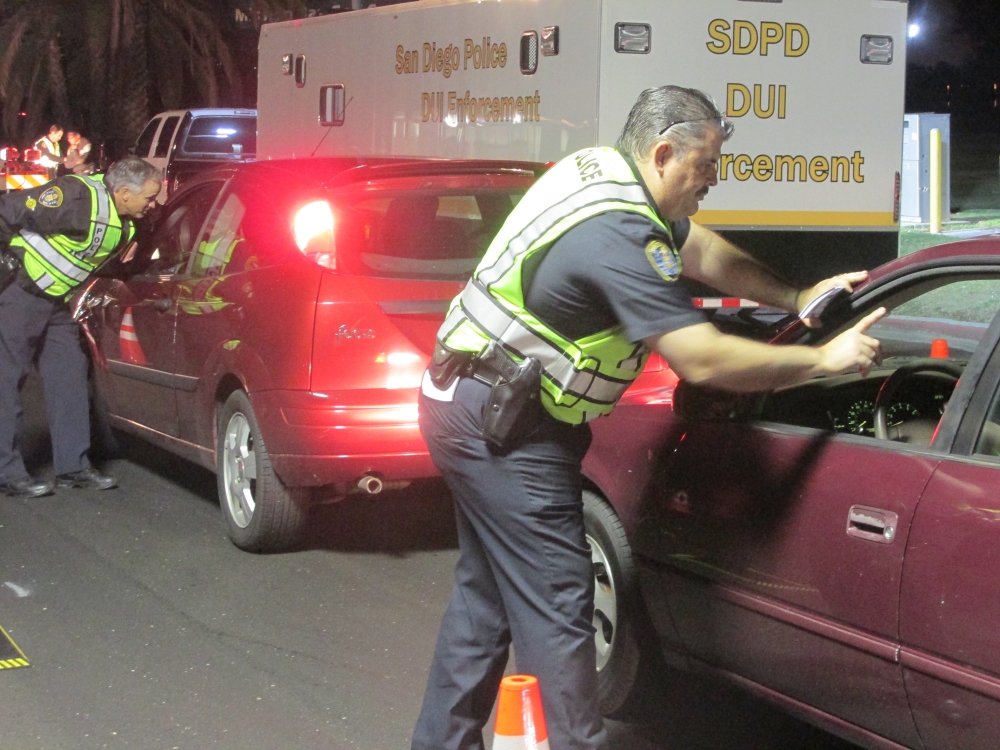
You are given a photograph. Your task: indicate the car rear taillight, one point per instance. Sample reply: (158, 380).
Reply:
(313, 227)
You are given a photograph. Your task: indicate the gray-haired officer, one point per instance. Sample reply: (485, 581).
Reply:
(584, 279)
(58, 235)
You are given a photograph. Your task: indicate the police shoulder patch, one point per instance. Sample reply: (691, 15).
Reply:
(664, 259)
(51, 198)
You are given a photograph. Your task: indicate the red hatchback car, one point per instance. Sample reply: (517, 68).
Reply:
(274, 323)
(832, 546)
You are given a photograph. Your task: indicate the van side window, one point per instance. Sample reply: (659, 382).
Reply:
(146, 139)
(163, 142)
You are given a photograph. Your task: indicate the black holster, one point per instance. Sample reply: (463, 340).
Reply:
(514, 409)
(447, 365)
(10, 264)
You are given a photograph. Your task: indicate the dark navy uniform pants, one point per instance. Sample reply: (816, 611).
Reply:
(33, 326)
(524, 576)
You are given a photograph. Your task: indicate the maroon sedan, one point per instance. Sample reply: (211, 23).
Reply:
(275, 322)
(832, 546)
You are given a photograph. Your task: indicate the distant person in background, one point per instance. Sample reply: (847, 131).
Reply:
(77, 158)
(50, 151)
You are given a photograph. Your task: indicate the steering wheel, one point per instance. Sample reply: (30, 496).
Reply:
(892, 383)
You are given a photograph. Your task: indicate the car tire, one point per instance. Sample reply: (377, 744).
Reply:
(262, 514)
(627, 660)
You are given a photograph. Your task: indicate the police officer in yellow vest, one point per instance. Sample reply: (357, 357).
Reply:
(585, 278)
(59, 234)
(49, 151)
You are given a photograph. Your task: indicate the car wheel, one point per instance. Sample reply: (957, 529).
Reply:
(625, 657)
(262, 514)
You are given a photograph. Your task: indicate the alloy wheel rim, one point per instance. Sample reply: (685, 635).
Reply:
(605, 603)
(239, 466)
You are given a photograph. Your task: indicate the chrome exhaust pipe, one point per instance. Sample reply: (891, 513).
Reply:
(370, 484)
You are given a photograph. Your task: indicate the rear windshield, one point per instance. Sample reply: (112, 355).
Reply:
(218, 135)
(421, 233)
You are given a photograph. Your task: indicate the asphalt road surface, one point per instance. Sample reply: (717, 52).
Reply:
(146, 628)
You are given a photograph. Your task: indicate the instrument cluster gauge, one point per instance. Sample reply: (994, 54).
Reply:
(899, 413)
(861, 418)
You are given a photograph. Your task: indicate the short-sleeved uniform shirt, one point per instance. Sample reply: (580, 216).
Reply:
(603, 272)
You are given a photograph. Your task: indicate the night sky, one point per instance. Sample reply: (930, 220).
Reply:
(954, 32)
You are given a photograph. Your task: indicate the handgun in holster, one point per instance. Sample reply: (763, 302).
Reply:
(514, 409)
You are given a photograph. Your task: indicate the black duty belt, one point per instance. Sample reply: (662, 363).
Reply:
(489, 367)
(492, 365)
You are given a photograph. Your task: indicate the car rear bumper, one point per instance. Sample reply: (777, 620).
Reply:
(318, 439)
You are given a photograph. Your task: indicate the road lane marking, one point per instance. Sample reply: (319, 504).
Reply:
(19, 590)
(11, 657)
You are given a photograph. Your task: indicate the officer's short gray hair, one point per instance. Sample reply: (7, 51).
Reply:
(681, 116)
(131, 172)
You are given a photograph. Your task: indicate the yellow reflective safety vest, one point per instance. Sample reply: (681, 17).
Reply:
(58, 264)
(581, 379)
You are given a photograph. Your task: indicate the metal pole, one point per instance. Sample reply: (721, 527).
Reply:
(937, 179)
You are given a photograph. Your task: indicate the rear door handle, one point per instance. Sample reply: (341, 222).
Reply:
(163, 305)
(872, 524)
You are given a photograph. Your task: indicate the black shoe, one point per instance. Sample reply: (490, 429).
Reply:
(26, 487)
(85, 479)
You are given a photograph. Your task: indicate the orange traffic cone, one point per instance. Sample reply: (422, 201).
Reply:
(520, 720)
(128, 342)
(939, 349)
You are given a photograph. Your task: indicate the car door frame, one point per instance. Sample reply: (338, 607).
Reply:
(955, 701)
(886, 649)
(159, 383)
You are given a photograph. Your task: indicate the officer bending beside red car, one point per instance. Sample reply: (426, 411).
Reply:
(584, 279)
(53, 237)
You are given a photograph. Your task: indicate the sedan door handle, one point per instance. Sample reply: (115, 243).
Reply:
(872, 524)
(163, 305)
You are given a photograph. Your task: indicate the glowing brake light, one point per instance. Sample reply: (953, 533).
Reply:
(313, 227)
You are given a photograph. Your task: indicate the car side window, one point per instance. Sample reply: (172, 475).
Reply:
(167, 251)
(146, 139)
(937, 320)
(222, 236)
(957, 313)
(163, 142)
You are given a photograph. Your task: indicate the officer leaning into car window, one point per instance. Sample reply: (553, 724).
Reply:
(584, 279)
(55, 236)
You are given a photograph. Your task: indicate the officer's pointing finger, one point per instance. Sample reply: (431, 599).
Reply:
(869, 320)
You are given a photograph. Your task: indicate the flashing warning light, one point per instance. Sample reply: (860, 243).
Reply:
(313, 227)
(913, 30)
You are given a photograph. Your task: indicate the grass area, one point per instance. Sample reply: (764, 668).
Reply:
(916, 238)
(971, 301)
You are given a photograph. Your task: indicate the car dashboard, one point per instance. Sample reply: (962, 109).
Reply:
(846, 403)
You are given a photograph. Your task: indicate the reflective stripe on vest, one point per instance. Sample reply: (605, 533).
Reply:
(505, 327)
(53, 257)
(58, 264)
(589, 196)
(582, 379)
